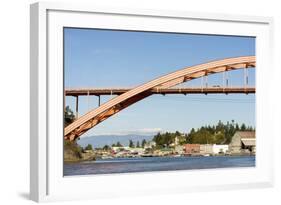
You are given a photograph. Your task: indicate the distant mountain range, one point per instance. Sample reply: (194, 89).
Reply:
(100, 140)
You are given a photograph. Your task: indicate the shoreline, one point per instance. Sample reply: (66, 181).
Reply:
(141, 157)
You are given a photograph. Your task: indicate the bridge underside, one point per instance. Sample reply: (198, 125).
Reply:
(118, 103)
(185, 90)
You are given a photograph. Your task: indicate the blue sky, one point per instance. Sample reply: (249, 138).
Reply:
(106, 58)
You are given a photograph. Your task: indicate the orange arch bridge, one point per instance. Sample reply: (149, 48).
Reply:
(118, 103)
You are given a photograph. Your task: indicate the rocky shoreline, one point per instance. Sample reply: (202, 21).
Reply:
(74, 153)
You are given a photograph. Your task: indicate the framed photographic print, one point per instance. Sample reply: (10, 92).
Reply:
(150, 97)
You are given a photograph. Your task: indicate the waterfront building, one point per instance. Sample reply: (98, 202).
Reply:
(192, 148)
(179, 149)
(136, 150)
(243, 142)
(220, 149)
(206, 149)
(118, 149)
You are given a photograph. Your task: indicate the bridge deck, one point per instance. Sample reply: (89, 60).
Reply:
(195, 90)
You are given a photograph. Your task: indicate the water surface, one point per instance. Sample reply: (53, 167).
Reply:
(146, 164)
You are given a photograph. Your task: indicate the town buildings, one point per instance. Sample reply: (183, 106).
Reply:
(206, 149)
(220, 149)
(127, 151)
(243, 142)
(192, 149)
(179, 149)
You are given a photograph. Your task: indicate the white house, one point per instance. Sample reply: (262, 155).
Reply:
(218, 149)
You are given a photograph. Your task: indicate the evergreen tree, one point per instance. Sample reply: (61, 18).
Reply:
(106, 147)
(119, 144)
(131, 143)
(89, 147)
(143, 143)
(243, 127)
(177, 133)
(68, 116)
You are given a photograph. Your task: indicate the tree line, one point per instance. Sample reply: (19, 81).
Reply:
(131, 144)
(217, 134)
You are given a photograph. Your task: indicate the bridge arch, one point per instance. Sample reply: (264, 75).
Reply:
(118, 103)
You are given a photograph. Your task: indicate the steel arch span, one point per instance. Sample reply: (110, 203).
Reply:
(118, 103)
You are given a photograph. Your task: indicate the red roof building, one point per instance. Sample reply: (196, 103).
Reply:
(192, 148)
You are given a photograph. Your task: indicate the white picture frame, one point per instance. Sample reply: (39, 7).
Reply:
(46, 177)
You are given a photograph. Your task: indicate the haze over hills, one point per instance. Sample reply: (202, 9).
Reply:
(100, 140)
